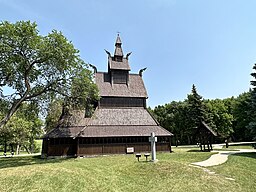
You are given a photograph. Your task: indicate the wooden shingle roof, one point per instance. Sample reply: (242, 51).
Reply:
(69, 125)
(60, 132)
(119, 65)
(106, 122)
(121, 116)
(120, 122)
(123, 131)
(136, 87)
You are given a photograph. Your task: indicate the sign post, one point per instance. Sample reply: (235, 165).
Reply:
(153, 140)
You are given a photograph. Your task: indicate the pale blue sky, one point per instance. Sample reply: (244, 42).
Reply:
(211, 44)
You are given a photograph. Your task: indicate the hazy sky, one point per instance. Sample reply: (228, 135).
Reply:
(211, 44)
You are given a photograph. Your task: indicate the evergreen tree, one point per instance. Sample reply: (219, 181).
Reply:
(195, 107)
(196, 112)
(252, 124)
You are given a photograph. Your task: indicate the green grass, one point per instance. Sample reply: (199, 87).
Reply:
(125, 173)
(240, 147)
(39, 143)
(242, 168)
(235, 148)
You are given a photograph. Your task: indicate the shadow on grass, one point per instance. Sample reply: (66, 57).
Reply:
(197, 150)
(23, 161)
(250, 155)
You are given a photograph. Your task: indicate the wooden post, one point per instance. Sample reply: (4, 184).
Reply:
(153, 140)
(77, 149)
(170, 144)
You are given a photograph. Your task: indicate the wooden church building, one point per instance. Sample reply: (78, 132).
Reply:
(120, 123)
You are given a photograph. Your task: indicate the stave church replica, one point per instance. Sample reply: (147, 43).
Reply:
(120, 123)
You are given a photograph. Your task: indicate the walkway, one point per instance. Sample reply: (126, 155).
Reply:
(221, 157)
(20, 155)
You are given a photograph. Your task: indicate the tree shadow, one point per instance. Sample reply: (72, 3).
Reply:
(198, 150)
(249, 155)
(7, 162)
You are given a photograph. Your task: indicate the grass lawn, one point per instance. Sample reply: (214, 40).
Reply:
(125, 173)
(235, 147)
(239, 147)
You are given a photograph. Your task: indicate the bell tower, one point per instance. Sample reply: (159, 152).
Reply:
(118, 65)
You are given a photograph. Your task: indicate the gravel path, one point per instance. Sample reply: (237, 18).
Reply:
(220, 157)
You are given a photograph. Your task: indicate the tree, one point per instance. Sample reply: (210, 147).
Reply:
(219, 117)
(38, 68)
(53, 114)
(81, 98)
(22, 129)
(196, 112)
(196, 108)
(252, 125)
(242, 117)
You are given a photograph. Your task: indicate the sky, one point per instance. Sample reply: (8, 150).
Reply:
(211, 44)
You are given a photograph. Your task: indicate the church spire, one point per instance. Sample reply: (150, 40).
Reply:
(118, 40)
(118, 50)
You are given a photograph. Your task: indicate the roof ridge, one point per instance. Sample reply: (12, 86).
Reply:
(152, 116)
(158, 124)
(209, 128)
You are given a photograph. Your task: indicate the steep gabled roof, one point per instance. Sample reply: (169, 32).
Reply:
(135, 88)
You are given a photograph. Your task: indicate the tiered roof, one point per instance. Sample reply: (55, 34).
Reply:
(110, 122)
(136, 87)
(113, 122)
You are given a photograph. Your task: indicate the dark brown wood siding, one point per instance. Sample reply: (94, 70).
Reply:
(94, 146)
(94, 149)
(62, 147)
(122, 102)
(120, 76)
(98, 146)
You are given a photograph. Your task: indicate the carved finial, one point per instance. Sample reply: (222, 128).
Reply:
(94, 68)
(109, 54)
(128, 54)
(141, 71)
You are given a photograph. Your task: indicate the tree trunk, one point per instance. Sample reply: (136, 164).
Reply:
(13, 109)
(18, 149)
(31, 145)
(5, 148)
(28, 151)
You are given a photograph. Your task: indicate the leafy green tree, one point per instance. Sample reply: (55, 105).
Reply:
(174, 117)
(54, 112)
(23, 128)
(81, 98)
(220, 118)
(242, 117)
(38, 68)
(181, 128)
